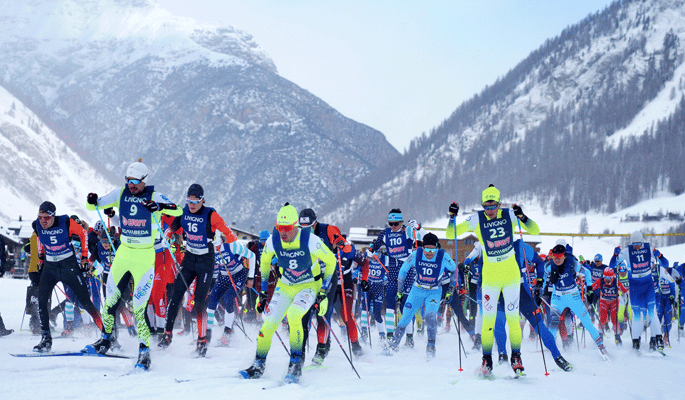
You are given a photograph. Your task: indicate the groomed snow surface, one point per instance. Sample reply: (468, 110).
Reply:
(407, 375)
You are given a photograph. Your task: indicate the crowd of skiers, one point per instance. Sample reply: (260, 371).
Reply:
(165, 260)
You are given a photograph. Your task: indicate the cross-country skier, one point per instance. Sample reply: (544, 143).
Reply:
(399, 240)
(199, 223)
(232, 271)
(608, 289)
(563, 272)
(430, 263)
(373, 287)
(139, 206)
(300, 287)
(60, 265)
(638, 259)
(531, 286)
(495, 229)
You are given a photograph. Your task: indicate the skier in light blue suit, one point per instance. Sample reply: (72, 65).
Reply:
(430, 263)
(563, 272)
(638, 259)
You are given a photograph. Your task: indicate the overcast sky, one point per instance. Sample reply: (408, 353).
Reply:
(400, 67)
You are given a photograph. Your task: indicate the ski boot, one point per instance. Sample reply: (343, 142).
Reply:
(45, 344)
(486, 367)
(68, 329)
(652, 344)
(201, 348)
(225, 337)
(503, 358)
(143, 358)
(357, 349)
(516, 363)
(321, 353)
(389, 337)
(659, 343)
(101, 346)
(391, 348)
(256, 370)
(294, 369)
(618, 340)
(165, 341)
(5, 332)
(409, 341)
(363, 333)
(430, 349)
(636, 345)
(603, 352)
(477, 343)
(563, 364)
(381, 339)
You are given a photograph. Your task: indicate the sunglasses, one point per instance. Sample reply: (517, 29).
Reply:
(285, 228)
(557, 255)
(490, 208)
(429, 250)
(394, 223)
(193, 201)
(133, 181)
(44, 218)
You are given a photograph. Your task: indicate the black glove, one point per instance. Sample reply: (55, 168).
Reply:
(109, 212)
(454, 209)
(261, 302)
(85, 268)
(151, 206)
(672, 300)
(365, 286)
(589, 297)
(538, 299)
(92, 199)
(519, 213)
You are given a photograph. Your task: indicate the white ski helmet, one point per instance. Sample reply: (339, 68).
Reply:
(636, 237)
(137, 170)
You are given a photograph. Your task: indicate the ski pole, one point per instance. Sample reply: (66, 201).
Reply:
(343, 312)
(341, 348)
(525, 258)
(368, 319)
(456, 256)
(168, 247)
(114, 251)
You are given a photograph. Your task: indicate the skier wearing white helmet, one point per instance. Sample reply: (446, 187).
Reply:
(139, 207)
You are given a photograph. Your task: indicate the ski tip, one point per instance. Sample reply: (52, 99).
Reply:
(291, 379)
(243, 375)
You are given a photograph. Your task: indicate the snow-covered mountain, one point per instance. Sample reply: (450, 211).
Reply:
(37, 166)
(123, 79)
(592, 120)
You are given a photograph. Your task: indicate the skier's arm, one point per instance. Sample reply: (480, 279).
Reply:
(320, 251)
(217, 223)
(76, 229)
(109, 200)
(469, 225)
(404, 270)
(529, 226)
(268, 253)
(243, 252)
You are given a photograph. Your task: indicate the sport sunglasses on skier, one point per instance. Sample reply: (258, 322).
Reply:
(130, 181)
(193, 201)
(394, 223)
(490, 208)
(285, 228)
